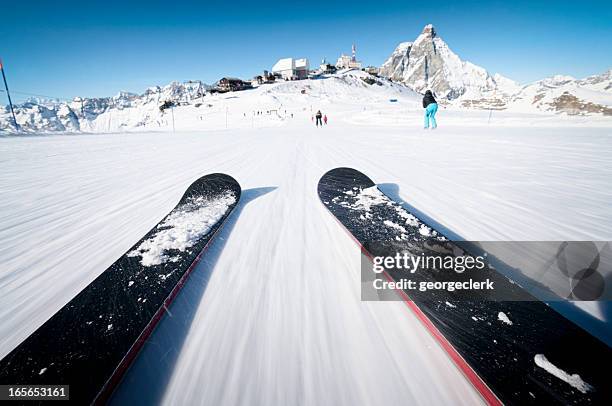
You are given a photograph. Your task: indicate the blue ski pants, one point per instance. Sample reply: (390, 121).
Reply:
(430, 115)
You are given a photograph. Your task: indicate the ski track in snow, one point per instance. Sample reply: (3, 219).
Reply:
(280, 320)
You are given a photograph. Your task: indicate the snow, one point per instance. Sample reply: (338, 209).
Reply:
(366, 198)
(276, 102)
(543, 92)
(273, 314)
(428, 63)
(183, 228)
(394, 225)
(424, 230)
(501, 316)
(574, 380)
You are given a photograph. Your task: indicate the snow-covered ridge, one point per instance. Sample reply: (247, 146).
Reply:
(429, 63)
(95, 114)
(425, 63)
(195, 108)
(565, 94)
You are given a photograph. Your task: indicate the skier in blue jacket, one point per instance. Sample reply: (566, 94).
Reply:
(431, 107)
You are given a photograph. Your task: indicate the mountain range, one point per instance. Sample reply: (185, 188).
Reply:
(429, 63)
(426, 63)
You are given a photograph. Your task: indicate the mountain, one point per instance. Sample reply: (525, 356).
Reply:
(564, 94)
(124, 110)
(197, 107)
(428, 63)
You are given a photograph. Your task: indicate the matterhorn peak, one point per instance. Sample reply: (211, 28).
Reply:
(428, 63)
(429, 31)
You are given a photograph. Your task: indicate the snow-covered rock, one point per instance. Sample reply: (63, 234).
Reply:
(565, 94)
(122, 111)
(413, 67)
(195, 107)
(40, 115)
(429, 63)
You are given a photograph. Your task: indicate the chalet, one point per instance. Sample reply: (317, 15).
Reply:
(291, 69)
(263, 79)
(372, 70)
(326, 68)
(232, 84)
(257, 80)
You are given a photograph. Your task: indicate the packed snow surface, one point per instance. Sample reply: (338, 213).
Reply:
(272, 315)
(183, 228)
(574, 380)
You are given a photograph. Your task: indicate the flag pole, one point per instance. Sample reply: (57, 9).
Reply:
(8, 95)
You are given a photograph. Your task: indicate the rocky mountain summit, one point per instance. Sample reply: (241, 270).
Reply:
(429, 63)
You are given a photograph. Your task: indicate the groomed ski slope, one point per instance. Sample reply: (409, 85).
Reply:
(272, 315)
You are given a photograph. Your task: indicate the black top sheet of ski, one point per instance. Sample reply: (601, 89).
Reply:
(502, 355)
(90, 342)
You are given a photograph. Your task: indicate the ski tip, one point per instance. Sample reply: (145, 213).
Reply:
(213, 184)
(343, 178)
(218, 177)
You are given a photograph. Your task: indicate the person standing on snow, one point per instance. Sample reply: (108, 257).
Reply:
(318, 116)
(431, 107)
(325, 119)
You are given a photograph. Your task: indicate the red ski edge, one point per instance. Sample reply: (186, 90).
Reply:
(477, 382)
(119, 372)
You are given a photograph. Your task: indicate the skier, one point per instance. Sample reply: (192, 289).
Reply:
(325, 119)
(431, 107)
(318, 116)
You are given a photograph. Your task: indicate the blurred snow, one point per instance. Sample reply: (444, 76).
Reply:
(273, 314)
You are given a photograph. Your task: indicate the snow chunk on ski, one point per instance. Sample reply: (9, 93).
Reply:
(366, 198)
(574, 380)
(501, 316)
(182, 228)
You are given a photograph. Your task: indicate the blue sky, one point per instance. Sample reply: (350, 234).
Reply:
(86, 48)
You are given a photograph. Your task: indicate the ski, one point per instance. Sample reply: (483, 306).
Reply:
(517, 361)
(91, 341)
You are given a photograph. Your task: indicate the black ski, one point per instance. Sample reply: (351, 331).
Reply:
(507, 358)
(91, 341)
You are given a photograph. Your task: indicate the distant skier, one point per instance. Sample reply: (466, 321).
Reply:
(431, 107)
(318, 116)
(325, 119)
